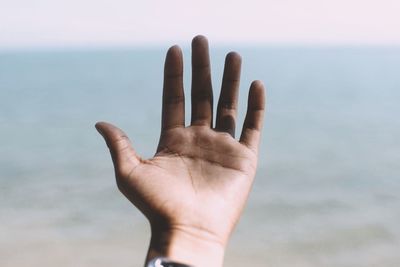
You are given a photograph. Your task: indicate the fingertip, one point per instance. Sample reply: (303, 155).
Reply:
(259, 85)
(174, 50)
(233, 63)
(173, 62)
(105, 128)
(121, 150)
(254, 117)
(257, 94)
(199, 40)
(199, 37)
(99, 126)
(233, 56)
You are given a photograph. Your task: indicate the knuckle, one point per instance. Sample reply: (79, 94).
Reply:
(176, 99)
(228, 104)
(202, 95)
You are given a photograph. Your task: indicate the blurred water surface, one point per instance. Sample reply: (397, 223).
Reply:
(327, 189)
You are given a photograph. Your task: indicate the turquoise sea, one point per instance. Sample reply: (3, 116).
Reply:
(328, 183)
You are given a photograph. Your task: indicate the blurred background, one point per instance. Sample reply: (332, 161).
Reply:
(327, 188)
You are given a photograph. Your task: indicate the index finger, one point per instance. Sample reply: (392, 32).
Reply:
(173, 100)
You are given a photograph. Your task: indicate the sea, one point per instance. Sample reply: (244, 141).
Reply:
(327, 190)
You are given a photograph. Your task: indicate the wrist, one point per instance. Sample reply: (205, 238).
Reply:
(189, 246)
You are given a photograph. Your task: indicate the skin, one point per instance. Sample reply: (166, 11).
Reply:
(194, 189)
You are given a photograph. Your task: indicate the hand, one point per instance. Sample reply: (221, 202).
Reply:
(195, 187)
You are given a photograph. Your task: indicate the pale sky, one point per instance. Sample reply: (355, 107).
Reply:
(27, 23)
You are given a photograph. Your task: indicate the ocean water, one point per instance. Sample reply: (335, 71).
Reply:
(327, 187)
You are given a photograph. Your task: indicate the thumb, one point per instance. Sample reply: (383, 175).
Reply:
(122, 153)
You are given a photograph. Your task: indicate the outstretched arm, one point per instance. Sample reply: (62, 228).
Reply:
(195, 187)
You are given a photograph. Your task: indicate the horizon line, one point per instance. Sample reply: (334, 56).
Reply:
(214, 45)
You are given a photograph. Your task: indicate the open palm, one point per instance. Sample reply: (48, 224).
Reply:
(199, 179)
